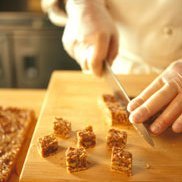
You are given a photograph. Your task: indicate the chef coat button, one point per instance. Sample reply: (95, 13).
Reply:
(168, 30)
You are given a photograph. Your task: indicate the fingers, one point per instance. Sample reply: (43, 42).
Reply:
(91, 52)
(113, 48)
(80, 53)
(166, 77)
(68, 38)
(154, 104)
(143, 96)
(177, 126)
(57, 16)
(168, 116)
(97, 54)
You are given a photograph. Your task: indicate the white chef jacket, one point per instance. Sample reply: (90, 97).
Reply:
(150, 34)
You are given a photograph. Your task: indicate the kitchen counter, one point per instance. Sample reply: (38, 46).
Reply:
(30, 99)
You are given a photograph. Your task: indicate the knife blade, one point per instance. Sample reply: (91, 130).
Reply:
(121, 95)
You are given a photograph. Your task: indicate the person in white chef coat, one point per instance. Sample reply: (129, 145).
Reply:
(135, 37)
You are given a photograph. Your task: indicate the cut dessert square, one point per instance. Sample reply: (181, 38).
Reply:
(48, 145)
(62, 127)
(108, 98)
(76, 159)
(117, 114)
(116, 138)
(14, 123)
(114, 111)
(121, 161)
(86, 138)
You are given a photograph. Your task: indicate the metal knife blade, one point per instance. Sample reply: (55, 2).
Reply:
(123, 98)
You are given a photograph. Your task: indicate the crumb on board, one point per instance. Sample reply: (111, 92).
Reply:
(147, 166)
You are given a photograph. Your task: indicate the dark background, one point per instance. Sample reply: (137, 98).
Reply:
(30, 46)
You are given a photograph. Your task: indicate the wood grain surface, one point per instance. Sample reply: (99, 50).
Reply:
(73, 96)
(30, 99)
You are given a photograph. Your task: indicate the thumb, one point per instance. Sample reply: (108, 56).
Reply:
(96, 54)
(80, 54)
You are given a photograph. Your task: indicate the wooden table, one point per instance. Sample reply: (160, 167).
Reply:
(31, 99)
(74, 97)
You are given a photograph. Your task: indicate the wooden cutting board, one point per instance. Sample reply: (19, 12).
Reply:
(73, 96)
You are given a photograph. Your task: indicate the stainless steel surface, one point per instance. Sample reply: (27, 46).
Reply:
(31, 48)
(123, 98)
(5, 61)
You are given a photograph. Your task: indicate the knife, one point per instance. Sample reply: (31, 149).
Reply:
(122, 97)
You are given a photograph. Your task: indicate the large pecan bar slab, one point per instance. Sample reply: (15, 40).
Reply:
(14, 123)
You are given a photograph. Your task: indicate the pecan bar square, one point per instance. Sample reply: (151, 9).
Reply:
(62, 127)
(116, 138)
(76, 159)
(114, 112)
(48, 145)
(86, 138)
(108, 98)
(121, 161)
(117, 114)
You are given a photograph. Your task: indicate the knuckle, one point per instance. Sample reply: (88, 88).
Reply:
(160, 82)
(177, 128)
(146, 111)
(161, 123)
(175, 85)
(163, 120)
(176, 65)
(178, 102)
(94, 63)
(139, 100)
(94, 37)
(102, 36)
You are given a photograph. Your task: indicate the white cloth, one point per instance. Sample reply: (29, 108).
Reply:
(150, 34)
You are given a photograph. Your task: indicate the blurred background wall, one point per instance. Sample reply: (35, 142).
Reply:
(30, 46)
